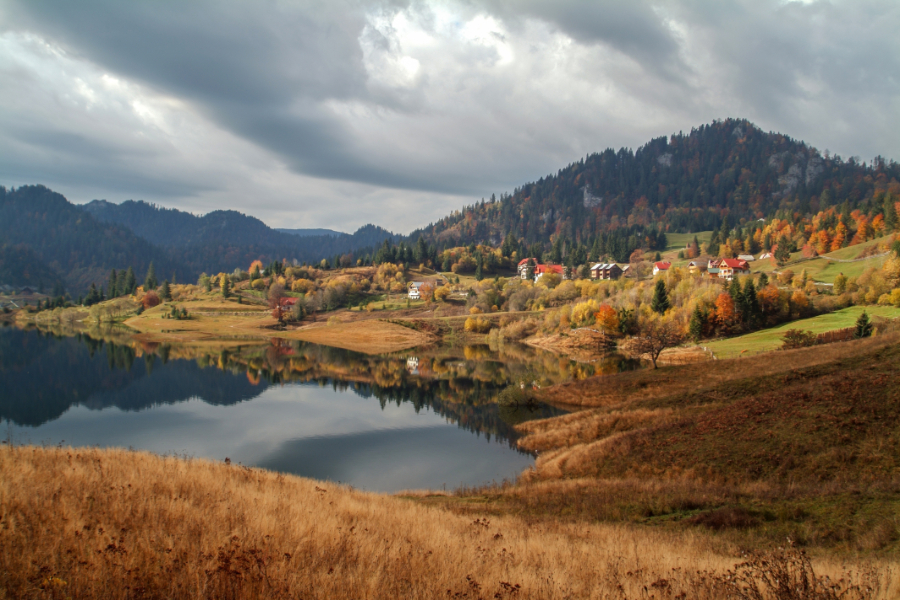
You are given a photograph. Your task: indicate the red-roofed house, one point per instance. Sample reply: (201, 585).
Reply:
(540, 270)
(729, 267)
(523, 268)
(661, 266)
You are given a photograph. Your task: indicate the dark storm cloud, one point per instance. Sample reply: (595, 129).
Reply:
(463, 98)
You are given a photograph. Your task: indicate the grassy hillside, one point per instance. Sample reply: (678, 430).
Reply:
(821, 269)
(91, 523)
(799, 444)
(770, 339)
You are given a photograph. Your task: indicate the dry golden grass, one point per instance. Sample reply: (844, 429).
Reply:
(644, 384)
(117, 524)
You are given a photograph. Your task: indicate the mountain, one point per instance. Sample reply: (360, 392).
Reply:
(225, 239)
(37, 223)
(308, 232)
(688, 182)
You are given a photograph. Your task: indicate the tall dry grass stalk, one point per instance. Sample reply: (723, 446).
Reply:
(77, 523)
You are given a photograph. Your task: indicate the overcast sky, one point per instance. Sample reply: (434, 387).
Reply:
(336, 114)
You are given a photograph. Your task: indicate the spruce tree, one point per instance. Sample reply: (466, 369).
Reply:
(226, 286)
(164, 291)
(890, 214)
(130, 281)
(660, 301)
(479, 264)
(696, 324)
(150, 281)
(863, 326)
(751, 304)
(763, 280)
(113, 286)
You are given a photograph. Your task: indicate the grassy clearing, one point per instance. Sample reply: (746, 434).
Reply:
(824, 270)
(116, 524)
(770, 339)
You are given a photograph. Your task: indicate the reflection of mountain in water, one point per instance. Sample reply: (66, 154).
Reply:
(43, 376)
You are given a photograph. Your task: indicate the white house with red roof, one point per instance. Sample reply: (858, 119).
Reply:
(541, 270)
(730, 267)
(661, 266)
(523, 268)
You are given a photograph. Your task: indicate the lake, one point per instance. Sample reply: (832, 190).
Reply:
(425, 418)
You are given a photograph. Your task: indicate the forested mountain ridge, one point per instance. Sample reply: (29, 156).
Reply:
(39, 222)
(224, 239)
(727, 170)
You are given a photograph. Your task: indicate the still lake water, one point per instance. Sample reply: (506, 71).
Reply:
(426, 418)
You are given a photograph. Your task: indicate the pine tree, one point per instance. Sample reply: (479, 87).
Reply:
(164, 292)
(696, 324)
(751, 304)
(890, 214)
(479, 265)
(660, 301)
(113, 284)
(226, 286)
(763, 280)
(863, 326)
(150, 281)
(130, 281)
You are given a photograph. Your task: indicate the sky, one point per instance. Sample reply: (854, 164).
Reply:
(340, 113)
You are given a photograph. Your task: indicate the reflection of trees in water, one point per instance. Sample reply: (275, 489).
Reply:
(45, 373)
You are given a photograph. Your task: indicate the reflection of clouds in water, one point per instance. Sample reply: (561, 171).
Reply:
(304, 429)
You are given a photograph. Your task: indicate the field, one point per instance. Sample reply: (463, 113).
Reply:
(770, 339)
(823, 270)
(89, 523)
(800, 444)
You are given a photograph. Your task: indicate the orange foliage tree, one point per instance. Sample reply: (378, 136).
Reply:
(607, 319)
(725, 313)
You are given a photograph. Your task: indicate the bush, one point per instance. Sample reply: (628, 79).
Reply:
(797, 338)
(150, 300)
(478, 325)
(518, 330)
(258, 284)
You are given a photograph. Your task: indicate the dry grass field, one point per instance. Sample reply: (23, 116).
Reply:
(368, 336)
(87, 523)
(799, 444)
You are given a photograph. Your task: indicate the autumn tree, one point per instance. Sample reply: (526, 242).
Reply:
(150, 299)
(725, 313)
(654, 337)
(276, 293)
(607, 319)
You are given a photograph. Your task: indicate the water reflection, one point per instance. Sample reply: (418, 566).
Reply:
(379, 422)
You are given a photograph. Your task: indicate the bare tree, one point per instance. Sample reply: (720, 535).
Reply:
(654, 337)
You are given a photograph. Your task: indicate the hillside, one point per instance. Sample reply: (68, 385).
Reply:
(799, 443)
(727, 170)
(224, 239)
(72, 243)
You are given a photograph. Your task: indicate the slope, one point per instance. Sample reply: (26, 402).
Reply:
(74, 244)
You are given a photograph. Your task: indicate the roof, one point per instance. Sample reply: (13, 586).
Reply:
(713, 270)
(734, 263)
(288, 301)
(663, 266)
(540, 269)
(525, 260)
(747, 257)
(416, 284)
(604, 266)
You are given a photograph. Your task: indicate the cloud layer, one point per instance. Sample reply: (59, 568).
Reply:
(335, 114)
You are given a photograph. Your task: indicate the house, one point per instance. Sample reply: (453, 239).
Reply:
(697, 267)
(541, 270)
(765, 255)
(523, 268)
(287, 302)
(414, 287)
(713, 273)
(606, 271)
(713, 263)
(661, 266)
(729, 267)
(746, 257)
